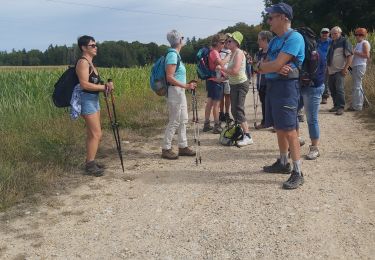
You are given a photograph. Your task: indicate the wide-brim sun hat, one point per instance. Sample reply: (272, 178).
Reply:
(237, 36)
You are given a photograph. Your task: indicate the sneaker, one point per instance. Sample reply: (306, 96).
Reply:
(334, 109)
(207, 127)
(313, 153)
(295, 180)
(324, 101)
(351, 109)
(301, 141)
(246, 140)
(100, 165)
(339, 112)
(221, 117)
(217, 129)
(277, 167)
(187, 151)
(92, 169)
(168, 154)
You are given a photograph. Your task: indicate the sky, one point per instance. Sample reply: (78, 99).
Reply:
(35, 24)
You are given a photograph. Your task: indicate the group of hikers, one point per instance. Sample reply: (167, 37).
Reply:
(277, 66)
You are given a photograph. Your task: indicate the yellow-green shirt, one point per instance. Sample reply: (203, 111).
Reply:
(241, 76)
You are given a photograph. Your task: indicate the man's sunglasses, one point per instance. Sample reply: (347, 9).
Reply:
(358, 34)
(92, 45)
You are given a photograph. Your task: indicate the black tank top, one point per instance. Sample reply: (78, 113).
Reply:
(93, 78)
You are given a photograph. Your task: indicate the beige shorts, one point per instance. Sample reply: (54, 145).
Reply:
(226, 88)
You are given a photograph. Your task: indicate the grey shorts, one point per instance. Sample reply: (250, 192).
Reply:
(226, 88)
(238, 94)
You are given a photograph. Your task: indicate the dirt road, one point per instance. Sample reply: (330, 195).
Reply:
(225, 208)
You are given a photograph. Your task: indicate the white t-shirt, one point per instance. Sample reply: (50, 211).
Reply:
(357, 60)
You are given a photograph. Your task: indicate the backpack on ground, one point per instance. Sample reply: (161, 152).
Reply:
(203, 69)
(308, 70)
(62, 93)
(231, 134)
(158, 78)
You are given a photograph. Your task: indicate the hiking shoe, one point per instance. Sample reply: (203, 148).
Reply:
(221, 117)
(246, 140)
(295, 180)
(351, 109)
(324, 101)
(217, 128)
(100, 165)
(277, 167)
(260, 126)
(334, 109)
(186, 151)
(301, 141)
(168, 154)
(339, 112)
(313, 153)
(207, 127)
(92, 169)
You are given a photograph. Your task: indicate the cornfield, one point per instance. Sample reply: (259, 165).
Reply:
(39, 141)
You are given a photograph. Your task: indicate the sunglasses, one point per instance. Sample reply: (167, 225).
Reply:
(358, 34)
(229, 41)
(272, 17)
(222, 42)
(324, 32)
(92, 45)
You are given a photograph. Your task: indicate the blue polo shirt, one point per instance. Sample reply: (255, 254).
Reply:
(294, 45)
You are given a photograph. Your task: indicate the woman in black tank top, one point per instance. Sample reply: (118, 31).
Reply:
(91, 85)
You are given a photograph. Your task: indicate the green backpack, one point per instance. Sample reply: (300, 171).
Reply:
(231, 134)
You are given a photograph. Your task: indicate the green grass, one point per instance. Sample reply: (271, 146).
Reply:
(39, 141)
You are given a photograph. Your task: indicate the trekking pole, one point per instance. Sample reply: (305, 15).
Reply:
(114, 123)
(196, 128)
(255, 103)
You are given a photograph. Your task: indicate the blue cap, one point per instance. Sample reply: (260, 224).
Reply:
(281, 8)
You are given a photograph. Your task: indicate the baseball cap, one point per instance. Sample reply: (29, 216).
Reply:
(324, 30)
(281, 8)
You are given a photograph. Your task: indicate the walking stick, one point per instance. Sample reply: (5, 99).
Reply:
(197, 140)
(255, 101)
(114, 123)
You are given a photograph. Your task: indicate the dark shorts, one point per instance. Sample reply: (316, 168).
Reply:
(214, 90)
(281, 104)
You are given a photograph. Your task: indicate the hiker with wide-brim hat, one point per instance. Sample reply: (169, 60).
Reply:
(91, 86)
(239, 84)
(176, 99)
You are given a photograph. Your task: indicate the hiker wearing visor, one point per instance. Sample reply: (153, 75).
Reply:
(286, 51)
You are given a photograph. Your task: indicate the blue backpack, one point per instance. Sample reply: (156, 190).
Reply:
(158, 79)
(203, 69)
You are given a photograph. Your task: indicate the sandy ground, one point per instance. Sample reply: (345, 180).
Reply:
(225, 208)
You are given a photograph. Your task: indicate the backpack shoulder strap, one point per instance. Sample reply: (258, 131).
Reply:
(90, 65)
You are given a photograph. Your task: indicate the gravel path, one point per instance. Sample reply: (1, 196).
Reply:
(225, 208)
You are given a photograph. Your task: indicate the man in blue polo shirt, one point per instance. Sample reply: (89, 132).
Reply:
(286, 51)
